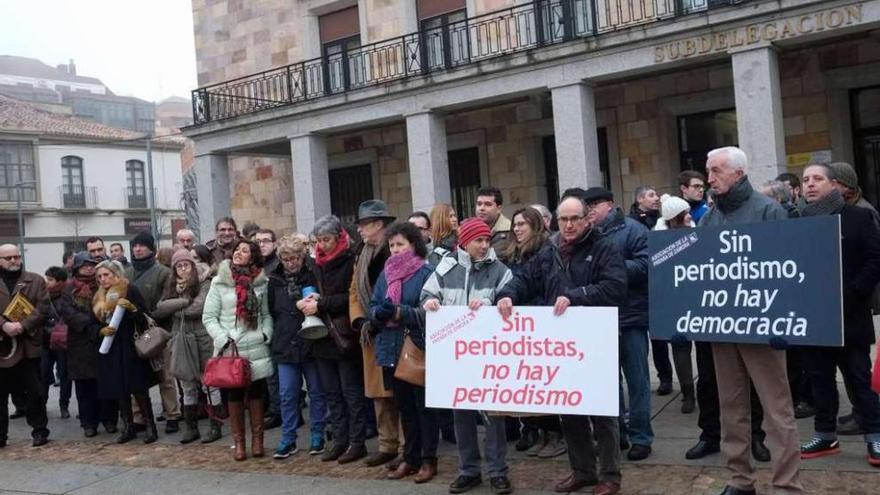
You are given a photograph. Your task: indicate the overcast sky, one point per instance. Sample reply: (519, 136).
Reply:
(140, 48)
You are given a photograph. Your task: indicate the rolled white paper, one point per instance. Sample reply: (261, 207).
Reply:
(115, 320)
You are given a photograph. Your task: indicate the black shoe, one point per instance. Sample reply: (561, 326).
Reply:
(526, 440)
(729, 490)
(333, 453)
(665, 388)
(803, 410)
(138, 428)
(624, 444)
(65, 413)
(760, 451)
(353, 453)
(702, 449)
(818, 447)
(465, 483)
(638, 452)
(2, 443)
(271, 422)
(171, 426)
(17, 414)
(90, 432)
(500, 485)
(160, 418)
(40, 440)
(850, 427)
(110, 428)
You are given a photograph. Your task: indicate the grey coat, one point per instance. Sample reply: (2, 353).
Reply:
(185, 315)
(457, 281)
(742, 204)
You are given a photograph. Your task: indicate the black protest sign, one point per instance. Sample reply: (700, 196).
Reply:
(749, 283)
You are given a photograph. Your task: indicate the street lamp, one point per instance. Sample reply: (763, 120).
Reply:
(17, 187)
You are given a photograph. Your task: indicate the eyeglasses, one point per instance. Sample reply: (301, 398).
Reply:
(575, 219)
(11, 258)
(699, 187)
(265, 241)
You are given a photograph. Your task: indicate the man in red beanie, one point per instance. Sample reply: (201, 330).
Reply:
(473, 264)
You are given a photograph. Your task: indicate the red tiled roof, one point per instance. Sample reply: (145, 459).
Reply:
(18, 116)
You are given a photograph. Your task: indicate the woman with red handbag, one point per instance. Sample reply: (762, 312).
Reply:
(237, 310)
(395, 309)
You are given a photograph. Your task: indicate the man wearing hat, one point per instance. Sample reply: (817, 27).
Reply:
(472, 276)
(20, 345)
(630, 237)
(150, 278)
(846, 180)
(373, 217)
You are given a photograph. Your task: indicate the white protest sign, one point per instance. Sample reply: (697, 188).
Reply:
(533, 362)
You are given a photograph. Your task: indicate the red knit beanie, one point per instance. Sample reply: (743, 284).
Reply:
(471, 229)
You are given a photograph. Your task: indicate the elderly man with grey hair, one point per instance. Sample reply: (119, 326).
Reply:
(186, 239)
(736, 202)
(781, 192)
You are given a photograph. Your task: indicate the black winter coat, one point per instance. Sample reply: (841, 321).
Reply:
(646, 218)
(860, 252)
(334, 280)
(631, 239)
(595, 275)
(83, 339)
(287, 346)
(121, 372)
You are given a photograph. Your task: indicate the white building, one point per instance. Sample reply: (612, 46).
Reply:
(88, 180)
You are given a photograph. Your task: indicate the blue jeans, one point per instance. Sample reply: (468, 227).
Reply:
(634, 364)
(469, 444)
(290, 379)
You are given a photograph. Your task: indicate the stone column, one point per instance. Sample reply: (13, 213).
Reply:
(577, 144)
(759, 112)
(212, 192)
(428, 161)
(311, 180)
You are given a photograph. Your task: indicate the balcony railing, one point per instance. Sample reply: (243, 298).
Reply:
(138, 199)
(516, 29)
(78, 197)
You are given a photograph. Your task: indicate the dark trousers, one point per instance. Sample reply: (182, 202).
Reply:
(49, 360)
(343, 382)
(709, 419)
(24, 378)
(593, 461)
(255, 391)
(855, 365)
(796, 363)
(660, 355)
(91, 409)
(419, 423)
(545, 423)
(681, 357)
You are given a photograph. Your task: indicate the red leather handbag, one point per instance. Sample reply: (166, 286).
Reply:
(58, 337)
(231, 371)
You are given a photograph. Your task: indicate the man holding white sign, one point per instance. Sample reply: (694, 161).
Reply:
(577, 268)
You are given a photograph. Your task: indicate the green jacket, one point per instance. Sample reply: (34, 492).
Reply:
(150, 283)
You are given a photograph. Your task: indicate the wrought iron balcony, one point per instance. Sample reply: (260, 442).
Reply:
(78, 197)
(515, 29)
(138, 198)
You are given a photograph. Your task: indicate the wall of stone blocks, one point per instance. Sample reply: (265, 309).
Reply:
(261, 192)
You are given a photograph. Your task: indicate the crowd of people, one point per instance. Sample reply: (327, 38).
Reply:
(370, 286)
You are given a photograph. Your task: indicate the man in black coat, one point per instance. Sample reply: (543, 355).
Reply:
(860, 253)
(577, 267)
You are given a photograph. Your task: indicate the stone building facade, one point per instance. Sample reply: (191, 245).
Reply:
(788, 81)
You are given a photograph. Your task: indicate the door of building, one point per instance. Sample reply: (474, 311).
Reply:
(866, 134)
(464, 180)
(349, 187)
(700, 133)
(551, 172)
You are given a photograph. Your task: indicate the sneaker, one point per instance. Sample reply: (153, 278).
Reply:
(555, 447)
(874, 453)
(819, 448)
(317, 446)
(500, 485)
(539, 445)
(285, 450)
(465, 483)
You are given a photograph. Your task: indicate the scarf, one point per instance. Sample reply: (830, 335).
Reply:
(180, 285)
(247, 307)
(84, 289)
(143, 264)
(399, 269)
(362, 275)
(738, 194)
(832, 203)
(55, 291)
(566, 249)
(10, 278)
(322, 258)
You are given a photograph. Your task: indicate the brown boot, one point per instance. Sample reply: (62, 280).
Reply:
(236, 424)
(257, 410)
(427, 472)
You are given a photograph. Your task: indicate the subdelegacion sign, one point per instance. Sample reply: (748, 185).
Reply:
(749, 283)
(533, 362)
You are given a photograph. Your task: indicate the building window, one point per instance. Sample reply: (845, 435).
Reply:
(340, 34)
(444, 30)
(17, 165)
(137, 190)
(72, 190)
(349, 187)
(464, 180)
(866, 134)
(700, 133)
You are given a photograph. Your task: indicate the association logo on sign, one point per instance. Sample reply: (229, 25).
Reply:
(675, 248)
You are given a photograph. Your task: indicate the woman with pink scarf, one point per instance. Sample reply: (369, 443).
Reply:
(396, 312)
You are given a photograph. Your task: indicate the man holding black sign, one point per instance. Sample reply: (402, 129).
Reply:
(860, 254)
(736, 202)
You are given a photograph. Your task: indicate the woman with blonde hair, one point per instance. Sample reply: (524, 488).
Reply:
(444, 231)
(121, 372)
